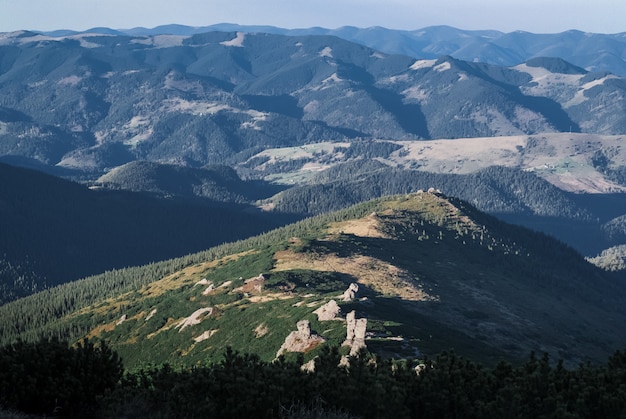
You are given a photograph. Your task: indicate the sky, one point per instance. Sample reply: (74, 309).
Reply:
(538, 16)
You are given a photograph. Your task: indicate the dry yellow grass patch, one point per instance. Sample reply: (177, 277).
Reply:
(363, 227)
(269, 297)
(159, 286)
(261, 330)
(170, 323)
(99, 330)
(380, 276)
(189, 274)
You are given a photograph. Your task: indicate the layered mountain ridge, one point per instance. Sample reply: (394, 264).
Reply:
(592, 51)
(92, 102)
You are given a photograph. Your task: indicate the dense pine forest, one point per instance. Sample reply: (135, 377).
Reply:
(50, 378)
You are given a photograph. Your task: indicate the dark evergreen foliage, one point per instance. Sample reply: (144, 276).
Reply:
(86, 381)
(48, 377)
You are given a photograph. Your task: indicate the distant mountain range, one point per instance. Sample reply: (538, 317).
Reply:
(90, 102)
(594, 52)
(55, 231)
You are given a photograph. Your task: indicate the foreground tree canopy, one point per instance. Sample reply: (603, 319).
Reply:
(49, 377)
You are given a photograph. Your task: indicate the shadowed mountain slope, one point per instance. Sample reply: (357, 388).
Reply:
(55, 231)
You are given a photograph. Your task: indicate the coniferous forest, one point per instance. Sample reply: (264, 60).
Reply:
(88, 380)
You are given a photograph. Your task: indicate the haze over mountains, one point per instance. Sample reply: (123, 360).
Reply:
(185, 138)
(593, 51)
(92, 102)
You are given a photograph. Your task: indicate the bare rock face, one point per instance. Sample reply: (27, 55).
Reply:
(301, 340)
(350, 293)
(195, 318)
(205, 335)
(355, 333)
(151, 314)
(328, 311)
(252, 285)
(208, 289)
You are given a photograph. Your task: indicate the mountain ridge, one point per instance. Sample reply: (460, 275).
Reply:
(490, 46)
(415, 287)
(217, 97)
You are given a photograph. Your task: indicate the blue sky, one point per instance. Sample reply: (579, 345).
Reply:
(547, 16)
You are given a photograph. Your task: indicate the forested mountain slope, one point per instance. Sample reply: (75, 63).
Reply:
(430, 273)
(55, 231)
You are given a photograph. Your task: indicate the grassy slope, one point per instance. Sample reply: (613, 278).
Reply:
(435, 274)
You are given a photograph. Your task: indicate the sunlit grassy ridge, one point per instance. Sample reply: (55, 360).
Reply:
(433, 273)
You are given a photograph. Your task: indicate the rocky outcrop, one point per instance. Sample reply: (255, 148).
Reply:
(328, 311)
(151, 314)
(205, 335)
(253, 285)
(203, 281)
(301, 340)
(208, 289)
(195, 318)
(355, 333)
(350, 293)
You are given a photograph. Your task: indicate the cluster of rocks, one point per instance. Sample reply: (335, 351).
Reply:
(195, 318)
(303, 340)
(355, 336)
(328, 311)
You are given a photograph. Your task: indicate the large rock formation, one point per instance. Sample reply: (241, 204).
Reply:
(328, 311)
(301, 340)
(195, 318)
(355, 336)
(350, 293)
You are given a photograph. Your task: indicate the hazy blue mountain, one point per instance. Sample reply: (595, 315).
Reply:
(91, 102)
(592, 51)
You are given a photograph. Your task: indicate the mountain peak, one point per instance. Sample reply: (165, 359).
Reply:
(555, 65)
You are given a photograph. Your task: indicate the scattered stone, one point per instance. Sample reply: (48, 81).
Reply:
(205, 335)
(152, 313)
(344, 361)
(355, 333)
(203, 281)
(208, 290)
(121, 320)
(253, 285)
(308, 366)
(261, 330)
(301, 340)
(328, 311)
(195, 318)
(350, 293)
